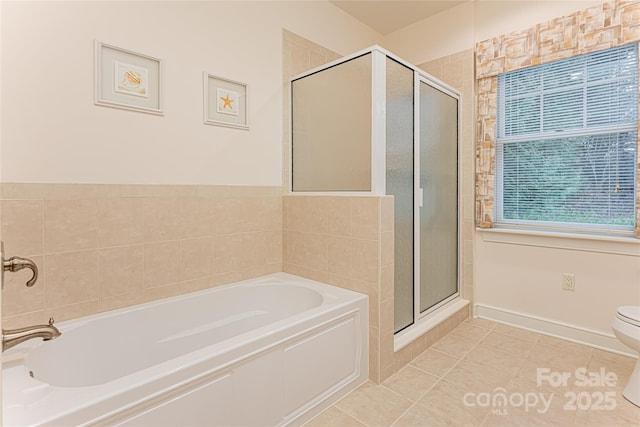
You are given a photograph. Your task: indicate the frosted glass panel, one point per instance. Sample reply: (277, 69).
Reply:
(439, 181)
(331, 128)
(399, 171)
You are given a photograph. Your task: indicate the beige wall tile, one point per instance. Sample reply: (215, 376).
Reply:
(374, 354)
(225, 278)
(274, 241)
(197, 217)
(114, 221)
(308, 250)
(161, 292)
(22, 227)
(197, 258)
(386, 316)
(120, 221)
(251, 218)
(401, 359)
(366, 260)
(162, 219)
(319, 244)
(365, 217)
(26, 319)
(309, 214)
(197, 284)
(387, 248)
(73, 311)
(253, 250)
(228, 213)
(420, 345)
(340, 281)
(340, 252)
(320, 276)
(387, 282)
(120, 301)
(387, 355)
(371, 290)
(261, 214)
(228, 253)
(339, 216)
(294, 248)
(120, 270)
(162, 262)
(70, 225)
(71, 278)
(316, 252)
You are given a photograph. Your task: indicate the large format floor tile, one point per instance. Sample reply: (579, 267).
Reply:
(485, 374)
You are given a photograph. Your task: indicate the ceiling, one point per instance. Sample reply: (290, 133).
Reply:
(388, 16)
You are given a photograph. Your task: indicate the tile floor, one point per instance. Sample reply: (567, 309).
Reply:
(455, 381)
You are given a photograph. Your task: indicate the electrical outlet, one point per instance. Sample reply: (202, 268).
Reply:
(568, 282)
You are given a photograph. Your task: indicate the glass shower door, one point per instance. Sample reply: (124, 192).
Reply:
(438, 212)
(399, 181)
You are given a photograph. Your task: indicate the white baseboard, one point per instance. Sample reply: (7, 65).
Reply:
(553, 328)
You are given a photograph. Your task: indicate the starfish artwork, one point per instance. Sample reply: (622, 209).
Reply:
(227, 101)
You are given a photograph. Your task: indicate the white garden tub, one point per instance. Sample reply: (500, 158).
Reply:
(274, 350)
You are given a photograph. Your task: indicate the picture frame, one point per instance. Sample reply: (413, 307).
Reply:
(128, 80)
(226, 102)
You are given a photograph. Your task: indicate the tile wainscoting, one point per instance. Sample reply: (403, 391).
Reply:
(101, 247)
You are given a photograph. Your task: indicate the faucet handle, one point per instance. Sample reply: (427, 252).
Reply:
(16, 263)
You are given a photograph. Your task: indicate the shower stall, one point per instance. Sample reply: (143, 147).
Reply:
(371, 123)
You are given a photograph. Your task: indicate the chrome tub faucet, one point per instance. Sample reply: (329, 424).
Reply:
(12, 337)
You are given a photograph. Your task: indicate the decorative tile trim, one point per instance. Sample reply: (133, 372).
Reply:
(610, 24)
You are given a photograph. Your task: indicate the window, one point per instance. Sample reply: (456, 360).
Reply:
(567, 142)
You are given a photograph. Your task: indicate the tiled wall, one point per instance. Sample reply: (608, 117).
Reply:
(457, 71)
(348, 242)
(100, 247)
(611, 24)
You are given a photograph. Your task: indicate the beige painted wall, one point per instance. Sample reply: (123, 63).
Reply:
(458, 28)
(52, 132)
(517, 274)
(527, 279)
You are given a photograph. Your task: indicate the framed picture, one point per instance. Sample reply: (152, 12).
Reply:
(226, 102)
(126, 79)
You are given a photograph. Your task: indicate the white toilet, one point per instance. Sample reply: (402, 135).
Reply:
(626, 326)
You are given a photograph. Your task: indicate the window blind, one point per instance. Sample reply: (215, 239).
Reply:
(566, 149)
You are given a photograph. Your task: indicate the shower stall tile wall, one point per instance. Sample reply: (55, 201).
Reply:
(101, 247)
(347, 241)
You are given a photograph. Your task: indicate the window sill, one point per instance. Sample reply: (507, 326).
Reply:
(629, 246)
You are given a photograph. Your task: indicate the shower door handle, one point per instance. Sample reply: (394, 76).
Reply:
(420, 197)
